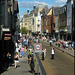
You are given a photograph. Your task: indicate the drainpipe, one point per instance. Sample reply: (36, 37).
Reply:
(6, 13)
(58, 25)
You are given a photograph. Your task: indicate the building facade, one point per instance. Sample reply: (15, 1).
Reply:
(44, 27)
(73, 27)
(49, 22)
(69, 19)
(63, 23)
(8, 21)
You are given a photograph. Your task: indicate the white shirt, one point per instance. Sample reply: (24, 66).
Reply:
(52, 51)
(17, 49)
(50, 41)
(45, 52)
(16, 44)
(30, 50)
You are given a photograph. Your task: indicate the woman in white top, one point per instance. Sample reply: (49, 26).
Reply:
(16, 60)
(45, 52)
(52, 53)
(50, 42)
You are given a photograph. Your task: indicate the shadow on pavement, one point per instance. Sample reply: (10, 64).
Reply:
(3, 69)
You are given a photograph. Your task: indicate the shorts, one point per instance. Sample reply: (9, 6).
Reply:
(22, 53)
(16, 61)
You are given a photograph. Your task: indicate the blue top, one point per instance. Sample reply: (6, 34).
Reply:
(66, 45)
(34, 39)
(26, 43)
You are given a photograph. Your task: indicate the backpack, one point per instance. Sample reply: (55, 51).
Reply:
(28, 56)
(32, 61)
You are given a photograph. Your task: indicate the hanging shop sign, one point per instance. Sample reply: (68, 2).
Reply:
(5, 29)
(7, 38)
(7, 34)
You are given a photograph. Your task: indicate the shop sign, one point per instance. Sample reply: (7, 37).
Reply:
(5, 29)
(7, 34)
(7, 38)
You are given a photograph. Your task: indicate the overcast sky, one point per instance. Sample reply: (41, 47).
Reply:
(28, 4)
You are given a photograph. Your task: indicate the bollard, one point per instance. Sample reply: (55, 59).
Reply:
(38, 68)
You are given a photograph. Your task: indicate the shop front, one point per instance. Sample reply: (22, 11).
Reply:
(6, 45)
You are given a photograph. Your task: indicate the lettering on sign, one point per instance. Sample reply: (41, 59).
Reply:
(7, 38)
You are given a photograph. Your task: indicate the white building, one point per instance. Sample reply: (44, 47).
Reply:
(39, 22)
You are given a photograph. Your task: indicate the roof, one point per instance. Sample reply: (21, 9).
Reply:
(56, 10)
(35, 11)
(45, 11)
(50, 12)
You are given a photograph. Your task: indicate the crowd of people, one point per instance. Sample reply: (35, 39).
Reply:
(21, 49)
(68, 45)
(23, 46)
(65, 44)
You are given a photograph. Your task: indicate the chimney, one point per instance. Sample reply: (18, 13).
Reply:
(34, 7)
(40, 7)
(25, 13)
(28, 11)
(46, 7)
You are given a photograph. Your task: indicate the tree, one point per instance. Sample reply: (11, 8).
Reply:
(24, 30)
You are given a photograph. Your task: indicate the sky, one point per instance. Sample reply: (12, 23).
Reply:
(25, 5)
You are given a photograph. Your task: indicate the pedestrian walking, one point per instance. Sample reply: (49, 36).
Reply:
(22, 51)
(52, 53)
(30, 49)
(67, 46)
(16, 44)
(32, 64)
(29, 55)
(9, 59)
(36, 40)
(59, 43)
(17, 49)
(64, 46)
(16, 58)
(45, 51)
(50, 42)
(42, 54)
(72, 46)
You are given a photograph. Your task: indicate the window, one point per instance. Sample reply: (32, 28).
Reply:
(54, 24)
(25, 23)
(2, 12)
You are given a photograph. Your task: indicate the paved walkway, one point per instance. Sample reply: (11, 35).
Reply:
(69, 52)
(24, 68)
